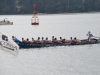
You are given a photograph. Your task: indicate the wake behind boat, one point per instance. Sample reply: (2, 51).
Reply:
(6, 22)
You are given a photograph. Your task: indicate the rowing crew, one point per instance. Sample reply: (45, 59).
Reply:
(54, 40)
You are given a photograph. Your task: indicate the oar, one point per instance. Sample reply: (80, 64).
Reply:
(96, 37)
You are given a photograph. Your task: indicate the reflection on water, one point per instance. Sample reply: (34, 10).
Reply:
(62, 60)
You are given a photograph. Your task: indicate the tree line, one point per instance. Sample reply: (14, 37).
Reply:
(48, 6)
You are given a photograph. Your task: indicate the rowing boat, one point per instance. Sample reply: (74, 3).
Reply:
(39, 45)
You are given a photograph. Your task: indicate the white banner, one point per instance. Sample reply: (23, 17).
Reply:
(8, 45)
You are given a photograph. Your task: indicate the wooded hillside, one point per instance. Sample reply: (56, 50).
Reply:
(48, 6)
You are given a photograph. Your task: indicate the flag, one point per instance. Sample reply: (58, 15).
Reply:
(8, 45)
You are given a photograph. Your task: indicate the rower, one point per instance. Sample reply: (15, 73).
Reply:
(53, 38)
(27, 40)
(48, 41)
(23, 40)
(33, 41)
(42, 41)
(61, 39)
(15, 39)
(38, 40)
(76, 40)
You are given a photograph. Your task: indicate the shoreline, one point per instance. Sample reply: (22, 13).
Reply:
(55, 13)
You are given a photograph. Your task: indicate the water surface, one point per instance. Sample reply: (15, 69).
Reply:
(62, 60)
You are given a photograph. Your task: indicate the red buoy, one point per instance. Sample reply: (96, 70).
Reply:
(34, 5)
(35, 19)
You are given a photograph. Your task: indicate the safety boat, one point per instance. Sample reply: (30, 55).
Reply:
(6, 22)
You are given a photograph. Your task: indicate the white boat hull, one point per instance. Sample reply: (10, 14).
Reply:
(6, 23)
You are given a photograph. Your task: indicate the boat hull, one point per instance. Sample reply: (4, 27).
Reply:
(4, 23)
(34, 23)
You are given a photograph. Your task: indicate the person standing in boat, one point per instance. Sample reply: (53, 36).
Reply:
(89, 34)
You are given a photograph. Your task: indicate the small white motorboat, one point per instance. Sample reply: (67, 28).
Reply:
(6, 22)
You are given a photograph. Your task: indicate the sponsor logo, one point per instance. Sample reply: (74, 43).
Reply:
(8, 45)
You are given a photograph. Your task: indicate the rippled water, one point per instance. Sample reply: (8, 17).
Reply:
(62, 60)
